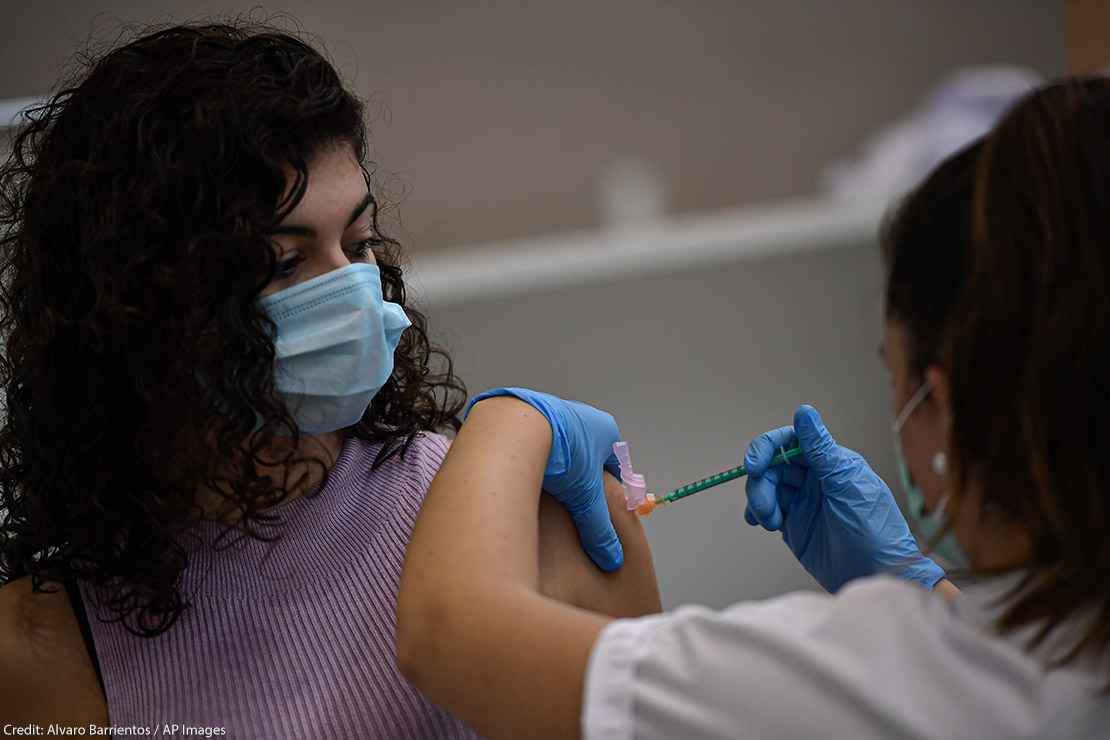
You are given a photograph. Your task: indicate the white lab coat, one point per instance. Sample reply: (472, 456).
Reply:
(882, 659)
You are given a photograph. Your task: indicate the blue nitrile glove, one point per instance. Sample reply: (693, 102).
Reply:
(582, 440)
(836, 515)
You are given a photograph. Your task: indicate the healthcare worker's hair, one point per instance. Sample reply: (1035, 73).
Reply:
(999, 267)
(135, 214)
(925, 247)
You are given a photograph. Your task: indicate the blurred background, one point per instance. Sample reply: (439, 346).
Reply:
(666, 209)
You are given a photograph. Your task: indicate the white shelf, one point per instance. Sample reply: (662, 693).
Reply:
(481, 272)
(10, 109)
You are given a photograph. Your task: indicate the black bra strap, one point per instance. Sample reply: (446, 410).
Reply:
(78, 605)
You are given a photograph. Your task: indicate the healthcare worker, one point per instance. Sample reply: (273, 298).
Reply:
(997, 340)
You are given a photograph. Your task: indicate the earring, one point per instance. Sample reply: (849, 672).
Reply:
(940, 463)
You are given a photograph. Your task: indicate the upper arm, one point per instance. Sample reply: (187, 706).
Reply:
(474, 633)
(567, 574)
(46, 675)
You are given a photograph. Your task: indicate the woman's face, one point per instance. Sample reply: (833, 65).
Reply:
(331, 225)
(329, 229)
(924, 433)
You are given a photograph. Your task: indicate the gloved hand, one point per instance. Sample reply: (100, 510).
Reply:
(836, 515)
(582, 440)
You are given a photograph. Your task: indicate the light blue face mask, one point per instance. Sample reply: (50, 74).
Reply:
(334, 346)
(925, 525)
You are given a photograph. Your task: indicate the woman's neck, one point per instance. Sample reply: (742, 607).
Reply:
(298, 478)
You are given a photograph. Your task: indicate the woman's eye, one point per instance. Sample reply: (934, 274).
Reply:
(289, 266)
(359, 250)
(363, 249)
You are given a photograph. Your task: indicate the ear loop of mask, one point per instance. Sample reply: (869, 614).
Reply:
(911, 406)
(930, 524)
(939, 462)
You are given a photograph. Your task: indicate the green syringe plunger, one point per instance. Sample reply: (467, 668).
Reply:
(698, 486)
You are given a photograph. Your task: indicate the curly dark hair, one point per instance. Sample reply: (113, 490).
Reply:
(136, 212)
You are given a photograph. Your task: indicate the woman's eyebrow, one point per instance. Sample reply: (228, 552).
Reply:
(301, 230)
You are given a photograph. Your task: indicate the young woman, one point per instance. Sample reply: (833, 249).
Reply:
(222, 412)
(998, 345)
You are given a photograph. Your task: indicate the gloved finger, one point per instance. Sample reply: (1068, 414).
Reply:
(758, 456)
(613, 467)
(763, 498)
(596, 533)
(788, 495)
(749, 517)
(793, 475)
(818, 447)
(601, 424)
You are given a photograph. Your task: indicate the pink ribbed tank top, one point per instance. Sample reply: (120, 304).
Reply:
(291, 639)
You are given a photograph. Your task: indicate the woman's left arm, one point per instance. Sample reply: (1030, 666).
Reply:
(474, 632)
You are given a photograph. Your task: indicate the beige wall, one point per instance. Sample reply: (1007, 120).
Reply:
(497, 117)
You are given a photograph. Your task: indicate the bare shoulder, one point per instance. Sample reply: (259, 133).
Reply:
(567, 574)
(46, 674)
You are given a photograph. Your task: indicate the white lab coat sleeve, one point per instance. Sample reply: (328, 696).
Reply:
(659, 676)
(871, 662)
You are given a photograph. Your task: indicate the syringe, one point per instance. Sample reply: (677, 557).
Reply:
(653, 502)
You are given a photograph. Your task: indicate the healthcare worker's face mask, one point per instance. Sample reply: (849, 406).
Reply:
(334, 345)
(926, 524)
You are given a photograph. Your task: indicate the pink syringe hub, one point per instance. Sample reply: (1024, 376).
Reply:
(635, 488)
